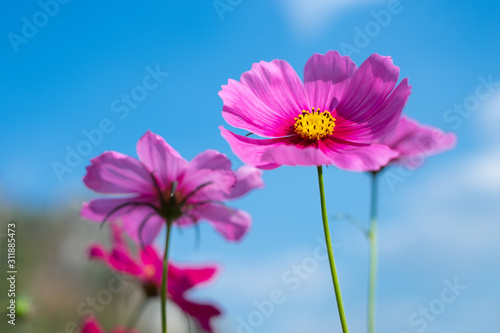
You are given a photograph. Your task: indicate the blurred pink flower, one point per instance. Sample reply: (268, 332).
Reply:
(90, 325)
(161, 185)
(415, 142)
(147, 268)
(334, 117)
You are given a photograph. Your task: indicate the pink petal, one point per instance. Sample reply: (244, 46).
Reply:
(370, 85)
(98, 209)
(98, 252)
(206, 184)
(149, 220)
(415, 141)
(358, 158)
(118, 241)
(247, 179)
(202, 313)
(112, 172)
(266, 100)
(295, 155)
(384, 120)
(150, 257)
(123, 262)
(244, 110)
(231, 223)
(186, 220)
(351, 131)
(160, 158)
(91, 325)
(277, 84)
(182, 279)
(210, 159)
(341, 154)
(326, 78)
(251, 150)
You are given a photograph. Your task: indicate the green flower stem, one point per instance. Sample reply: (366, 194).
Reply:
(164, 281)
(336, 286)
(372, 238)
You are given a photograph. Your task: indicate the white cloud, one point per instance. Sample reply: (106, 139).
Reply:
(308, 16)
(454, 211)
(484, 172)
(490, 118)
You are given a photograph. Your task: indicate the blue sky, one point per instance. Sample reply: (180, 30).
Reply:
(441, 223)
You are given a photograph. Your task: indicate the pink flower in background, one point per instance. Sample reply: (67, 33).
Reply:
(148, 267)
(161, 186)
(334, 117)
(415, 142)
(91, 325)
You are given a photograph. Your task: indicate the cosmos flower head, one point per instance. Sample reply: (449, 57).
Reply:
(162, 187)
(147, 268)
(334, 118)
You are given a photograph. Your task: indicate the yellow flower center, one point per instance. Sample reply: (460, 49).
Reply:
(314, 125)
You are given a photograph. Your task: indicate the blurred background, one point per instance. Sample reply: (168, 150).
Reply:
(71, 67)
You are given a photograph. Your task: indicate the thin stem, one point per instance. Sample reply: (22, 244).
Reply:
(351, 219)
(188, 321)
(372, 238)
(336, 286)
(164, 281)
(137, 314)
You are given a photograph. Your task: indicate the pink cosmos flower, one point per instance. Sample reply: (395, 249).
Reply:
(415, 142)
(90, 325)
(162, 186)
(334, 117)
(148, 270)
